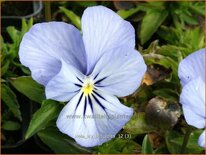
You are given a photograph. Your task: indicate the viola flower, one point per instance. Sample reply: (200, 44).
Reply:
(191, 72)
(90, 71)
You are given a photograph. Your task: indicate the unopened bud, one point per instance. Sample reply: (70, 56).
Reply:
(162, 113)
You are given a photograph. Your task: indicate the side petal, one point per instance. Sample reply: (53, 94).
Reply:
(45, 44)
(65, 84)
(103, 30)
(192, 66)
(192, 99)
(192, 118)
(201, 140)
(119, 71)
(93, 120)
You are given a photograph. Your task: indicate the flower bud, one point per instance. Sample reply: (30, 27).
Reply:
(162, 113)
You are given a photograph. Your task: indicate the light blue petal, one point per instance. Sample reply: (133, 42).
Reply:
(93, 120)
(65, 84)
(192, 66)
(103, 30)
(45, 44)
(192, 99)
(201, 140)
(192, 118)
(119, 71)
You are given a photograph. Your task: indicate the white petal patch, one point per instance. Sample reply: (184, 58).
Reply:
(192, 67)
(201, 140)
(65, 84)
(45, 44)
(192, 99)
(119, 71)
(103, 30)
(94, 119)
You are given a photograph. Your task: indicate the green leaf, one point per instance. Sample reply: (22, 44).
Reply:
(172, 51)
(13, 33)
(5, 67)
(4, 47)
(23, 25)
(164, 61)
(30, 88)
(174, 142)
(127, 13)
(190, 19)
(48, 111)
(169, 34)
(198, 8)
(150, 23)
(138, 125)
(152, 6)
(118, 146)
(146, 146)
(157, 59)
(166, 93)
(195, 38)
(9, 98)
(60, 143)
(30, 23)
(11, 126)
(26, 26)
(190, 39)
(75, 19)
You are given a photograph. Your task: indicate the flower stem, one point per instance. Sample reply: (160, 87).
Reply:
(47, 9)
(186, 139)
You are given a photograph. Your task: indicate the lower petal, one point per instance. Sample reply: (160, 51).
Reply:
(94, 119)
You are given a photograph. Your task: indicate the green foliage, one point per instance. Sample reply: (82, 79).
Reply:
(30, 88)
(150, 23)
(10, 50)
(127, 13)
(11, 67)
(48, 111)
(188, 39)
(9, 98)
(174, 142)
(117, 146)
(60, 143)
(138, 125)
(146, 146)
(75, 19)
(11, 126)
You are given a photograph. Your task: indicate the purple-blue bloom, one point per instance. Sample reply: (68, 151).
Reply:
(90, 70)
(191, 72)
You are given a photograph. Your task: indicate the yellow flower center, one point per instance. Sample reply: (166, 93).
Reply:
(88, 87)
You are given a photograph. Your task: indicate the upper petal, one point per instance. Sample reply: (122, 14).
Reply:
(93, 120)
(201, 140)
(192, 99)
(192, 66)
(103, 30)
(119, 71)
(45, 44)
(66, 84)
